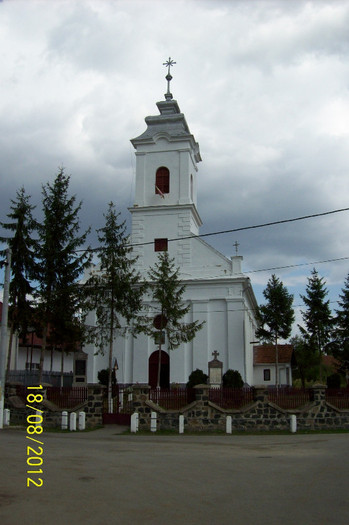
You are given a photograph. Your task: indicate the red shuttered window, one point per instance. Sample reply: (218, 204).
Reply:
(160, 245)
(162, 181)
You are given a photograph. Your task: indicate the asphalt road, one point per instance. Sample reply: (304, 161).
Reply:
(103, 477)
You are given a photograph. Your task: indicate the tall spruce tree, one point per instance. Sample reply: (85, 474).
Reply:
(21, 242)
(317, 317)
(167, 291)
(275, 317)
(307, 363)
(61, 262)
(341, 335)
(116, 291)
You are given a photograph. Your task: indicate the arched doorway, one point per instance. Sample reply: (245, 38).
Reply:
(164, 371)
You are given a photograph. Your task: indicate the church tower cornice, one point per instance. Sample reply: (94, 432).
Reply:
(171, 123)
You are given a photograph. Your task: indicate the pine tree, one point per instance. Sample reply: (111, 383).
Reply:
(317, 317)
(307, 362)
(115, 292)
(342, 329)
(21, 243)
(60, 265)
(168, 292)
(276, 316)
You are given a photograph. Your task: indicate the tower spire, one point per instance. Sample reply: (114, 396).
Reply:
(169, 63)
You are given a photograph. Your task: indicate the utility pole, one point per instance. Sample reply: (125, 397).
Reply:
(3, 340)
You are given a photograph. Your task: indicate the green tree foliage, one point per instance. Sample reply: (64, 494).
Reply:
(232, 379)
(61, 263)
(317, 317)
(22, 265)
(307, 362)
(341, 332)
(167, 291)
(197, 377)
(115, 292)
(276, 316)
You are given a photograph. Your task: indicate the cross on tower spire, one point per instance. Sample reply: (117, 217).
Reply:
(169, 63)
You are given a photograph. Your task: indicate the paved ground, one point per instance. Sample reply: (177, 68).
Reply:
(103, 477)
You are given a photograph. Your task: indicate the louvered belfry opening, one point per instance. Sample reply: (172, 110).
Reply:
(162, 181)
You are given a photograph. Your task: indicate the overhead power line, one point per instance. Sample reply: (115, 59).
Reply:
(297, 265)
(233, 230)
(244, 228)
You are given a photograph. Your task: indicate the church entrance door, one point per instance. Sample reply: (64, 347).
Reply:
(164, 371)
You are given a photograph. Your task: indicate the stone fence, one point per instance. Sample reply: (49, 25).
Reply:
(201, 415)
(52, 414)
(260, 415)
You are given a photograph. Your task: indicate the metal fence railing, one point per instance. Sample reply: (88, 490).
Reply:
(338, 397)
(289, 397)
(66, 397)
(62, 397)
(172, 398)
(231, 397)
(122, 399)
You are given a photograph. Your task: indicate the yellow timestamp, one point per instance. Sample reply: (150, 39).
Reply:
(34, 428)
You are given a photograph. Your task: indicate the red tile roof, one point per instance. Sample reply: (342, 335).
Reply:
(330, 361)
(265, 354)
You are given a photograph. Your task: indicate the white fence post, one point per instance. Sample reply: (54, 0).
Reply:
(72, 421)
(153, 421)
(134, 422)
(64, 424)
(82, 420)
(293, 423)
(228, 427)
(181, 424)
(6, 416)
(40, 415)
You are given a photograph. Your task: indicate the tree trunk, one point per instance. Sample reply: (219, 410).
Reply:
(159, 362)
(111, 334)
(62, 365)
(320, 356)
(276, 364)
(110, 399)
(42, 353)
(8, 365)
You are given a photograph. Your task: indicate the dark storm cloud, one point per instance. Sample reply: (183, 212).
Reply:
(264, 88)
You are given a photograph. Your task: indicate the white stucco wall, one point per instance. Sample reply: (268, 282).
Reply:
(216, 290)
(284, 377)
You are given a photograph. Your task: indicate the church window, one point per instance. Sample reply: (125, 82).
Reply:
(160, 245)
(266, 372)
(162, 181)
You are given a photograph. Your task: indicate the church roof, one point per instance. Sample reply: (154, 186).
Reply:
(265, 354)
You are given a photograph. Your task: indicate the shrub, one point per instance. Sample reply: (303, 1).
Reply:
(103, 377)
(334, 381)
(232, 379)
(197, 377)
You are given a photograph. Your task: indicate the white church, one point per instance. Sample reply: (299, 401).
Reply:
(165, 217)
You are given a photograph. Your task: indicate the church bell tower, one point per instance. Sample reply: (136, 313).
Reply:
(165, 205)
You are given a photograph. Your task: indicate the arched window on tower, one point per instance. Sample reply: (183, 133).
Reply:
(162, 181)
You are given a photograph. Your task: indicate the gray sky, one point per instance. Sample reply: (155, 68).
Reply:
(264, 88)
